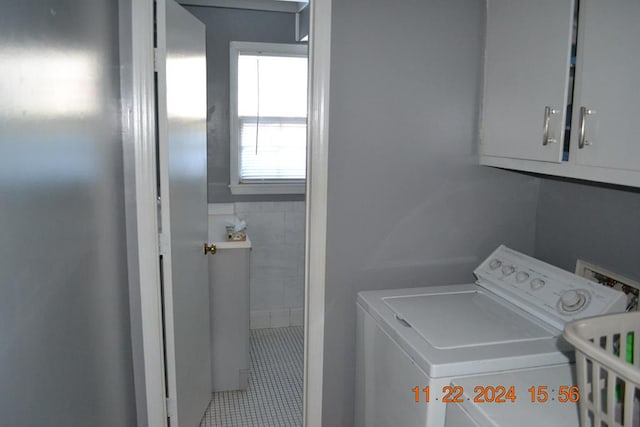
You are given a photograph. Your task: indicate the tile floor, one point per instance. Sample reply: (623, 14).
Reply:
(274, 395)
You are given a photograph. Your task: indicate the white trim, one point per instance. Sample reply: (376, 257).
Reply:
(283, 49)
(568, 169)
(267, 5)
(139, 152)
(316, 215)
(267, 189)
(165, 206)
(235, 49)
(302, 5)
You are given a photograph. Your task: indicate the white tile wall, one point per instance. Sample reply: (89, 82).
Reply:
(276, 230)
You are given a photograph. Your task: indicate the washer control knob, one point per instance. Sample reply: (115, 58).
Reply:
(573, 301)
(522, 276)
(570, 299)
(495, 263)
(537, 284)
(508, 270)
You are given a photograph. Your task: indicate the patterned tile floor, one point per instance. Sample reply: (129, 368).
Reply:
(274, 395)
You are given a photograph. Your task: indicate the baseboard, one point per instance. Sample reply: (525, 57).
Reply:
(280, 318)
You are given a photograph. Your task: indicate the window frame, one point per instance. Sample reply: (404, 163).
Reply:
(267, 186)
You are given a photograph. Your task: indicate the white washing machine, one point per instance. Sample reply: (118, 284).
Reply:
(545, 396)
(413, 342)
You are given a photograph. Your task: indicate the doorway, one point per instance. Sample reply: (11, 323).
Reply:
(256, 114)
(149, 364)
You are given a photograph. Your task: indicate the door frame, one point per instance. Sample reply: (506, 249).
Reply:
(141, 211)
(316, 209)
(139, 151)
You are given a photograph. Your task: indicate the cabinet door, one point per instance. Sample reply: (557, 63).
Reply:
(528, 45)
(607, 85)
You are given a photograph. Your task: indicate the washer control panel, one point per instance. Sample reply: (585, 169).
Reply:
(548, 292)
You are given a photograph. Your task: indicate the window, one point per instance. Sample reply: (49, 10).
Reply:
(268, 123)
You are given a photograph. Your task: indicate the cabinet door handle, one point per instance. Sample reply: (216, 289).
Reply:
(582, 140)
(548, 112)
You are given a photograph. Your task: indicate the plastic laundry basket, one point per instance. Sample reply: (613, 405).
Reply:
(608, 368)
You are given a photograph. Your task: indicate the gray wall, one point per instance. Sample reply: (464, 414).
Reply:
(597, 223)
(223, 26)
(65, 349)
(408, 204)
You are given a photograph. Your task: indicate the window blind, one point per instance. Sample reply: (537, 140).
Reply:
(272, 122)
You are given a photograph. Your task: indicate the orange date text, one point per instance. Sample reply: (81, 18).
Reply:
(496, 394)
(455, 394)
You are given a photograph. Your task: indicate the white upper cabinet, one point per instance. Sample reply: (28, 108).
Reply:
(528, 49)
(528, 87)
(607, 114)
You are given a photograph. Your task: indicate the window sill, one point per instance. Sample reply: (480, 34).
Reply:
(246, 189)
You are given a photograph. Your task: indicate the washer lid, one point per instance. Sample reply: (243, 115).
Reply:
(464, 319)
(460, 330)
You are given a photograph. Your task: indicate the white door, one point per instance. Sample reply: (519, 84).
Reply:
(608, 69)
(528, 45)
(183, 156)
